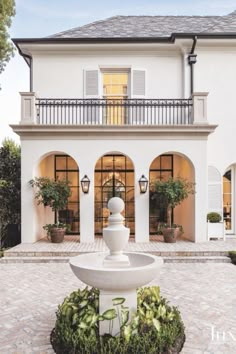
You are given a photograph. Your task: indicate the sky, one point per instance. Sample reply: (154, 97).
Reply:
(40, 18)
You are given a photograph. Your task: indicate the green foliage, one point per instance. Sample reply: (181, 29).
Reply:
(10, 185)
(232, 255)
(171, 193)
(49, 227)
(214, 217)
(7, 11)
(155, 328)
(52, 193)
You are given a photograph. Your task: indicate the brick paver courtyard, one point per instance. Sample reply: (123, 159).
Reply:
(205, 294)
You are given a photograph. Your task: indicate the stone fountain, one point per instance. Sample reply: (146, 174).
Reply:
(116, 274)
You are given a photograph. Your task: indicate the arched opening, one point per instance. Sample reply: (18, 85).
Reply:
(229, 194)
(162, 167)
(59, 165)
(114, 177)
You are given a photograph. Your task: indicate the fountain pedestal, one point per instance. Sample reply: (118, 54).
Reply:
(116, 235)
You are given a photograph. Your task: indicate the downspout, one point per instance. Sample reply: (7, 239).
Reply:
(192, 59)
(29, 63)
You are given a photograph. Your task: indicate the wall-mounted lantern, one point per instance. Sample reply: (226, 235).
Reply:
(192, 59)
(85, 183)
(143, 184)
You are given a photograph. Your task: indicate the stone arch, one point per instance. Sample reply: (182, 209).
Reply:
(47, 154)
(114, 176)
(173, 164)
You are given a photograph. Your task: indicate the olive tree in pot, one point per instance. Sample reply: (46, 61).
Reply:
(55, 194)
(169, 194)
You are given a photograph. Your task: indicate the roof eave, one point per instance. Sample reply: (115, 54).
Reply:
(18, 41)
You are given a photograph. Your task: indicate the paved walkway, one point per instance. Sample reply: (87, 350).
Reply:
(205, 294)
(72, 246)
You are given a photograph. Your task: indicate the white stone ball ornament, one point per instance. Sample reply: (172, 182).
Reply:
(116, 205)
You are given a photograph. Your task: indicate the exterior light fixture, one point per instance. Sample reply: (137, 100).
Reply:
(85, 183)
(192, 59)
(143, 184)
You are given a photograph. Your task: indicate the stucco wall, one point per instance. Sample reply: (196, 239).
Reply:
(215, 72)
(62, 75)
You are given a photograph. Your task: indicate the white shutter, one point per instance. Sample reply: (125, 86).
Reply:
(138, 83)
(91, 83)
(138, 89)
(91, 110)
(215, 191)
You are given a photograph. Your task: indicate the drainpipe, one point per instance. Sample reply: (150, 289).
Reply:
(28, 59)
(192, 59)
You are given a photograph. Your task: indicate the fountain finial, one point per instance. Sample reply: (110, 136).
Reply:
(116, 205)
(116, 235)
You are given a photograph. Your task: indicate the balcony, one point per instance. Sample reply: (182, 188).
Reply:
(113, 112)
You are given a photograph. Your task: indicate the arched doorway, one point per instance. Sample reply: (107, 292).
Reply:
(62, 166)
(114, 177)
(162, 167)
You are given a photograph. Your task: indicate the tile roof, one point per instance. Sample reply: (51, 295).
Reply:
(152, 26)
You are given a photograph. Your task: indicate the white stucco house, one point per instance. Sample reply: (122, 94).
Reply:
(125, 97)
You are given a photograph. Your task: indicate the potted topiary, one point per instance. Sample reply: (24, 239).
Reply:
(55, 194)
(169, 194)
(215, 227)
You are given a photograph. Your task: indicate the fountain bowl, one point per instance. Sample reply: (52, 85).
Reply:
(142, 270)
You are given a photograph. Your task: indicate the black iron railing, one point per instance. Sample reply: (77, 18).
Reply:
(114, 111)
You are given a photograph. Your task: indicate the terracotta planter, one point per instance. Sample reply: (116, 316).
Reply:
(57, 234)
(170, 234)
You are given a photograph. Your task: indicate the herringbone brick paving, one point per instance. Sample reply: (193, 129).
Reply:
(205, 294)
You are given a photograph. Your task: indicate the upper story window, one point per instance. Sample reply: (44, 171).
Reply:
(115, 84)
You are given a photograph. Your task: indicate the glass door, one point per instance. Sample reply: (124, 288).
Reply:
(161, 169)
(228, 200)
(114, 177)
(66, 168)
(115, 91)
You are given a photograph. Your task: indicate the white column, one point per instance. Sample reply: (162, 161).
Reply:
(141, 209)
(87, 209)
(201, 198)
(28, 108)
(199, 107)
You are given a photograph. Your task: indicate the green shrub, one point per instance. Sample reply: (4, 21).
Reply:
(214, 217)
(232, 255)
(156, 327)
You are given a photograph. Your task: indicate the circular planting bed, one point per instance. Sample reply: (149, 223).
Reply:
(156, 327)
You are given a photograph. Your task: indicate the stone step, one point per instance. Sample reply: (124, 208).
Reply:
(201, 259)
(34, 259)
(68, 254)
(60, 259)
